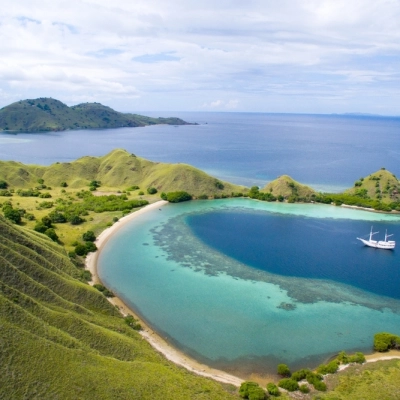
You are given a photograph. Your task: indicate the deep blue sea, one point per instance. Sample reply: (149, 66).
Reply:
(239, 284)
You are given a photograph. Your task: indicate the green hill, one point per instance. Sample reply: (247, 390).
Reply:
(118, 169)
(47, 114)
(61, 339)
(381, 185)
(287, 187)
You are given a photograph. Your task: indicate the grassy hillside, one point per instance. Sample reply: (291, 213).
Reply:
(47, 114)
(287, 187)
(60, 338)
(119, 170)
(381, 185)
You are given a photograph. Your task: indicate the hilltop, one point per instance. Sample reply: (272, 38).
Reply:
(47, 114)
(288, 188)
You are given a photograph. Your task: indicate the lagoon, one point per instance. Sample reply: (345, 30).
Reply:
(245, 309)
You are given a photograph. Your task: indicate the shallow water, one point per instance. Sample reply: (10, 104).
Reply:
(234, 313)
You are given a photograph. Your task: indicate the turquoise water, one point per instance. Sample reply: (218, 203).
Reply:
(236, 316)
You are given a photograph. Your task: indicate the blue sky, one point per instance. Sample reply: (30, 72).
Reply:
(302, 56)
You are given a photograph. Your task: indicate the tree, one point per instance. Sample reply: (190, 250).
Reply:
(251, 390)
(384, 341)
(89, 236)
(46, 220)
(40, 227)
(75, 220)
(80, 250)
(90, 247)
(283, 370)
(3, 184)
(63, 184)
(57, 217)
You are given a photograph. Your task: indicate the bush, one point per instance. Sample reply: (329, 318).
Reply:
(103, 290)
(57, 217)
(304, 389)
(3, 184)
(81, 250)
(90, 247)
(12, 214)
(252, 391)
(64, 184)
(75, 220)
(300, 374)
(329, 368)
(51, 233)
(40, 227)
(273, 389)
(385, 341)
(177, 197)
(132, 322)
(319, 385)
(89, 236)
(151, 190)
(283, 370)
(288, 384)
(358, 358)
(343, 357)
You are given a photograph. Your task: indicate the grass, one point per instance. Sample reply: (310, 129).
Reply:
(60, 338)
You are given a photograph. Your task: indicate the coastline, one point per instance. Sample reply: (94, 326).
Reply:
(155, 340)
(158, 343)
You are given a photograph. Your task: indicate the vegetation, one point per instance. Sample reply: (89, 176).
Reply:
(283, 370)
(47, 114)
(384, 341)
(176, 197)
(61, 338)
(252, 391)
(288, 384)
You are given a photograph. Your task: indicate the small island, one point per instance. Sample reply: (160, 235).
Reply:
(47, 114)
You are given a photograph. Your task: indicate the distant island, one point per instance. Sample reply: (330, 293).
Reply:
(47, 114)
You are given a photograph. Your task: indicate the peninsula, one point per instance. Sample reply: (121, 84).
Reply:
(47, 114)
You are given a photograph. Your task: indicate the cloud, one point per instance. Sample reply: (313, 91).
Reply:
(186, 52)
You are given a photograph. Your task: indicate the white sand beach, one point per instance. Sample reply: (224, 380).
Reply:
(152, 337)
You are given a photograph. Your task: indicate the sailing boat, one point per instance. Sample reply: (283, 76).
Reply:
(379, 244)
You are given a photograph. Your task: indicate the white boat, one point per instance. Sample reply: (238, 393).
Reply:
(379, 244)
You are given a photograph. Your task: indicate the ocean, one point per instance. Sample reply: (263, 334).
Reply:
(328, 152)
(240, 284)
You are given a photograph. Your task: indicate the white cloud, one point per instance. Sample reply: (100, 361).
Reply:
(187, 52)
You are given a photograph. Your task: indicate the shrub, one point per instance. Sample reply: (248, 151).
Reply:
(329, 368)
(151, 190)
(3, 184)
(103, 290)
(384, 341)
(90, 247)
(64, 184)
(273, 389)
(319, 385)
(75, 220)
(343, 357)
(12, 214)
(57, 217)
(134, 187)
(46, 204)
(178, 197)
(304, 389)
(358, 358)
(132, 322)
(51, 233)
(40, 227)
(245, 387)
(89, 236)
(300, 374)
(219, 185)
(203, 197)
(288, 384)
(80, 250)
(283, 370)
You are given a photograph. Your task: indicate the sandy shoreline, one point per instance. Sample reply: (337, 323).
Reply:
(152, 337)
(157, 341)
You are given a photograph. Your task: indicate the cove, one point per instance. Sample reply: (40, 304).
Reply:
(231, 310)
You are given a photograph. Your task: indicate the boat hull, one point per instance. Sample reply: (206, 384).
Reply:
(379, 244)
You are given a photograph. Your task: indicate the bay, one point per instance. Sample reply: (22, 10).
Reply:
(246, 315)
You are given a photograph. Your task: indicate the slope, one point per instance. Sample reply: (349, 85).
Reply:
(60, 338)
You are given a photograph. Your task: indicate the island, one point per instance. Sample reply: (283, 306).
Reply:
(47, 114)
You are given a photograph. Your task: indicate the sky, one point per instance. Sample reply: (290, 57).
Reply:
(286, 56)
